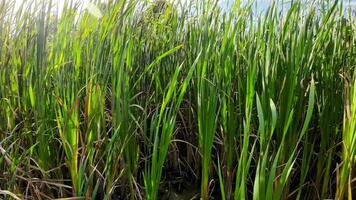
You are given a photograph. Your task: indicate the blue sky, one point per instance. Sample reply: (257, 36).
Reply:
(262, 4)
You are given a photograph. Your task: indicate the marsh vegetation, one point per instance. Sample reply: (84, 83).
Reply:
(130, 99)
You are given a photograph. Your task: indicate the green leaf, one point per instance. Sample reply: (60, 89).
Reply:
(94, 10)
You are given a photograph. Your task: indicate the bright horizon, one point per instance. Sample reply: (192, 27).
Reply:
(262, 4)
(59, 3)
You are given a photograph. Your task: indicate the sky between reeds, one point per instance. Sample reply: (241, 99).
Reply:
(261, 5)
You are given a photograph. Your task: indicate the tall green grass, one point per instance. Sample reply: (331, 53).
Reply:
(130, 99)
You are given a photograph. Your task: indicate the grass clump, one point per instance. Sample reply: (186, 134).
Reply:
(177, 100)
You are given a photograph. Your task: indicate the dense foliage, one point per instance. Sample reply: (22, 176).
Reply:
(161, 100)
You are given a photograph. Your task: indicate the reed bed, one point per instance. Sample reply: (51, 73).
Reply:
(130, 99)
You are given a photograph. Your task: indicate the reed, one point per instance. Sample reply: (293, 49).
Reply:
(130, 99)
